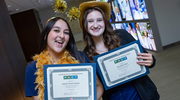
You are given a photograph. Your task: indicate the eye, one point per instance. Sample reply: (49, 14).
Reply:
(56, 30)
(90, 21)
(66, 33)
(100, 19)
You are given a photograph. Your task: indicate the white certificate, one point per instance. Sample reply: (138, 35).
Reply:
(66, 81)
(119, 66)
(73, 84)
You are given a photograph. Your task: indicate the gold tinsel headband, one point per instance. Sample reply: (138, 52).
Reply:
(50, 19)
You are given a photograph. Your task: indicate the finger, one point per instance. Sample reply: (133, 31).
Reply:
(144, 58)
(145, 54)
(145, 62)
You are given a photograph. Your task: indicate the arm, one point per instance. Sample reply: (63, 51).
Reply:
(30, 79)
(100, 88)
(147, 58)
(35, 98)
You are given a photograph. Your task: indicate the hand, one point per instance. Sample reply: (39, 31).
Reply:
(145, 59)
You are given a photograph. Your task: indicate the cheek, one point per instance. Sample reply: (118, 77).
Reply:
(89, 25)
(102, 23)
(67, 38)
(103, 28)
(51, 35)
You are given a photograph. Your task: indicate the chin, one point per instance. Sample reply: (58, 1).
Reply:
(58, 51)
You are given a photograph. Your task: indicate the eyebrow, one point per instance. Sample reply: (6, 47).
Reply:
(66, 30)
(60, 28)
(55, 27)
(89, 18)
(96, 18)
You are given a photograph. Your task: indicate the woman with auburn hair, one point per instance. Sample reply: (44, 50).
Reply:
(100, 37)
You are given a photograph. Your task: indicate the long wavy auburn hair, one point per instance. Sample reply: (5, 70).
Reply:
(111, 40)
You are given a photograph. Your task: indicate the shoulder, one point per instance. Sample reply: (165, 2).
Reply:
(31, 69)
(124, 36)
(82, 53)
(121, 32)
(31, 65)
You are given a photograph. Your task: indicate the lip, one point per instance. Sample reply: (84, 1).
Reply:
(95, 29)
(59, 43)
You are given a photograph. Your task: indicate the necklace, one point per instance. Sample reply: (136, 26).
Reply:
(45, 58)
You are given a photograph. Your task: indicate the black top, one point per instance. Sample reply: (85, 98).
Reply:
(126, 38)
(144, 85)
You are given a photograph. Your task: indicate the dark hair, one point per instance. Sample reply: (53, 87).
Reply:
(111, 40)
(71, 46)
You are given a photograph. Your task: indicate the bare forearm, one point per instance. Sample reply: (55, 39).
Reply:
(35, 98)
(100, 89)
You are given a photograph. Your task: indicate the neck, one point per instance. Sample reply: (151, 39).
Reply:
(55, 56)
(98, 40)
(100, 46)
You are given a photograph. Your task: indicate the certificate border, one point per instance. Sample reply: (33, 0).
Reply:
(91, 92)
(133, 48)
(100, 72)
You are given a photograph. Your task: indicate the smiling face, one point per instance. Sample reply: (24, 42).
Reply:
(58, 37)
(95, 23)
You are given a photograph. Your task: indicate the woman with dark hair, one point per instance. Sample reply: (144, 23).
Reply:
(99, 37)
(71, 46)
(57, 47)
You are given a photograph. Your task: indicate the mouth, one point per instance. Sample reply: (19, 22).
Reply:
(59, 43)
(96, 29)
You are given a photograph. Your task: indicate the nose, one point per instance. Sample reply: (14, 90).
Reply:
(95, 24)
(61, 34)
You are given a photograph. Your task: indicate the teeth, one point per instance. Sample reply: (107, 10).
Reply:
(95, 29)
(59, 41)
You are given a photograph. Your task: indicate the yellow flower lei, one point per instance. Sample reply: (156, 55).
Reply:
(43, 59)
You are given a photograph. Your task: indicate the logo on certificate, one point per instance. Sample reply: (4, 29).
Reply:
(71, 77)
(120, 60)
